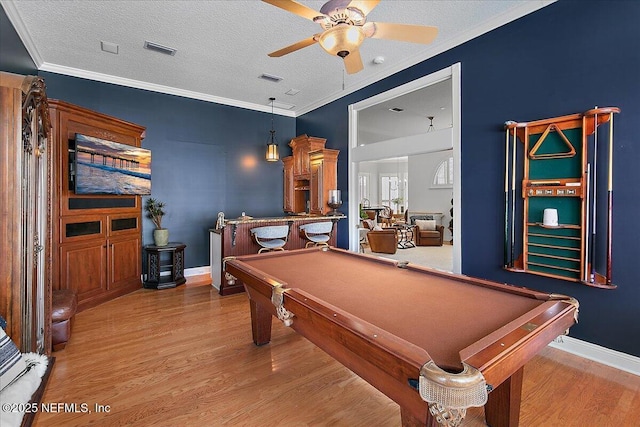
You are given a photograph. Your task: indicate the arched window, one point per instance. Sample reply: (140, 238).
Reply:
(444, 174)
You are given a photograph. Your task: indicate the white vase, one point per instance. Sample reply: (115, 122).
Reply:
(161, 236)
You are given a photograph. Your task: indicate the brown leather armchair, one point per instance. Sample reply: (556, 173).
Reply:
(429, 237)
(383, 241)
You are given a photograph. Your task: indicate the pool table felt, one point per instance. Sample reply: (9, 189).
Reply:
(441, 315)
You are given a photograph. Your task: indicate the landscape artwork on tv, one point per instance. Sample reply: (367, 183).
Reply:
(106, 167)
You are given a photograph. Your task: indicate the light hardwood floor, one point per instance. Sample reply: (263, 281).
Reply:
(184, 357)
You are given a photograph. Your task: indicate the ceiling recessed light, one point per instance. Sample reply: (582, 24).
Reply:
(378, 60)
(109, 47)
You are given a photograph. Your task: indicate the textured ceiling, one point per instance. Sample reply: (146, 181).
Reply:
(222, 46)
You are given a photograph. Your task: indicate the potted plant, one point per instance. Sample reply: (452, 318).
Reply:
(155, 212)
(398, 201)
(363, 214)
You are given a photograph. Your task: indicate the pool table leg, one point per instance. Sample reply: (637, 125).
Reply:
(503, 407)
(260, 323)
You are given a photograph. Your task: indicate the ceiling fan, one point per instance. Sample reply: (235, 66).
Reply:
(345, 28)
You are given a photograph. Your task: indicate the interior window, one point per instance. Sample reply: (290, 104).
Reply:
(444, 174)
(389, 190)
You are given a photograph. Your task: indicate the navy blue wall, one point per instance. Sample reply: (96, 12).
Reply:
(205, 157)
(14, 57)
(563, 59)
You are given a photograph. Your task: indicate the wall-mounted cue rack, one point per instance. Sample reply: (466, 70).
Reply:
(559, 200)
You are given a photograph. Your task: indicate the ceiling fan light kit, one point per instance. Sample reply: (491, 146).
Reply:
(345, 28)
(341, 40)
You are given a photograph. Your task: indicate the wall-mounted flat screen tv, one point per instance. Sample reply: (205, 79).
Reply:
(106, 167)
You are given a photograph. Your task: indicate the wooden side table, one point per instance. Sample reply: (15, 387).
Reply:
(160, 259)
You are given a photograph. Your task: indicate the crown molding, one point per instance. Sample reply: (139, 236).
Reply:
(121, 81)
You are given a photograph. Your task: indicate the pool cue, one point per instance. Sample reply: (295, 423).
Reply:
(513, 198)
(585, 276)
(506, 197)
(609, 198)
(595, 198)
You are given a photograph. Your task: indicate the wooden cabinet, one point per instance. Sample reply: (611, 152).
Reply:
(25, 212)
(324, 177)
(309, 175)
(165, 259)
(301, 146)
(99, 258)
(98, 237)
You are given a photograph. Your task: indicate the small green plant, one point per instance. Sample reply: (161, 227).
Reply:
(363, 214)
(155, 211)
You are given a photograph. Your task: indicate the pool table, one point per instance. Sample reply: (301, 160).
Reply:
(434, 342)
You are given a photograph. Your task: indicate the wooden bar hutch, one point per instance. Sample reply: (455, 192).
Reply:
(309, 174)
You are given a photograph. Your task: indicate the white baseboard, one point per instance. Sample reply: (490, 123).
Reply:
(615, 359)
(197, 271)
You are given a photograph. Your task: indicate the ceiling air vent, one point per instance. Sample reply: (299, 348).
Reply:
(396, 109)
(270, 77)
(159, 48)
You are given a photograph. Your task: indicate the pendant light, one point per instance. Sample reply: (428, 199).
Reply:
(431, 128)
(272, 144)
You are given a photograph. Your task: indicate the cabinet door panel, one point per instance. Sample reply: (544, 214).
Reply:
(124, 262)
(288, 185)
(83, 269)
(316, 191)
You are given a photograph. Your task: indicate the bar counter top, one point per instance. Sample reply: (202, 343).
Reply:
(286, 218)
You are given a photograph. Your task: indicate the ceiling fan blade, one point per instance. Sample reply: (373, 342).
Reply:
(295, 7)
(353, 62)
(365, 6)
(400, 32)
(292, 48)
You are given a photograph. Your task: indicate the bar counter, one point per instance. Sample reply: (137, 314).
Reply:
(234, 239)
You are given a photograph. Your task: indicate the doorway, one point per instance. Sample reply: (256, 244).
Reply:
(430, 125)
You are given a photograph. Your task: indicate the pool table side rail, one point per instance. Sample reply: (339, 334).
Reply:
(499, 355)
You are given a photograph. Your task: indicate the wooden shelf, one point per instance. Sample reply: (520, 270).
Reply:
(554, 227)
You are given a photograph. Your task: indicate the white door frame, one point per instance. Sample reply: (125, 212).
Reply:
(438, 141)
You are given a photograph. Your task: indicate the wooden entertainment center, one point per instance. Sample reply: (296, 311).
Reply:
(97, 238)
